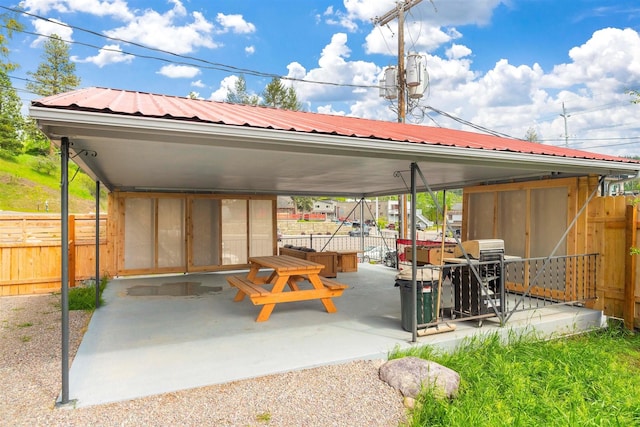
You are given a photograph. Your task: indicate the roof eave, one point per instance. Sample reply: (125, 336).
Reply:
(307, 142)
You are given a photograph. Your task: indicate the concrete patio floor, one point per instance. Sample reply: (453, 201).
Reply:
(139, 344)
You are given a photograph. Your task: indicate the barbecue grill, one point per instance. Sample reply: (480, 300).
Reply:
(477, 295)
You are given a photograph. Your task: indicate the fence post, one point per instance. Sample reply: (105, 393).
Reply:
(72, 251)
(629, 306)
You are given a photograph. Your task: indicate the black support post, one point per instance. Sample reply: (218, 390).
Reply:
(414, 257)
(64, 285)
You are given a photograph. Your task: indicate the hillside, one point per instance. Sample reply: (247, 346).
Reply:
(29, 184)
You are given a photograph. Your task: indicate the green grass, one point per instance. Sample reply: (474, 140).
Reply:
(264, 417)
(84, 297)
(25, 190)
(585, 380)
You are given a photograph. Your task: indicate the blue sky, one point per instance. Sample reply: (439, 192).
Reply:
(507, 66)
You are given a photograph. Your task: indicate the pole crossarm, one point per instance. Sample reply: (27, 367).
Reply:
(393, 13)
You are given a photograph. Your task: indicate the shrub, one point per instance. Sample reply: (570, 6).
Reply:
(43, 165)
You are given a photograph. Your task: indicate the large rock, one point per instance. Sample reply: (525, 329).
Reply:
(409, 375)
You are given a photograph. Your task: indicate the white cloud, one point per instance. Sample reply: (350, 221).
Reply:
(296, 70)
(451, 12)
(250, 50)
(609, 61)
(339, 18)
(227, 84)
(167, 31)
(457, 51)
(179, 71)
(383, 40)
(198, 83)
(235, 24)
(328, 109)
(511, 98)
(115, 8)
(109, 54)
(48, 28)
(334, 67)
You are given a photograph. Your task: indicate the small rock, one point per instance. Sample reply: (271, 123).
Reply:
(410, 375)
(409, 402)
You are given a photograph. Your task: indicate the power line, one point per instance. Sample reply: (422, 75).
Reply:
(470, 124)
(209, 64)
(233, 69)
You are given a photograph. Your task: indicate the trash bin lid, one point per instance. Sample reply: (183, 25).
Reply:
(422, 275)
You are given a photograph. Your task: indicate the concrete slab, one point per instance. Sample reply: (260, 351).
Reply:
(139, 344)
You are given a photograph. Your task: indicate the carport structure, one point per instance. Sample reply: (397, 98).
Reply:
(139, 143)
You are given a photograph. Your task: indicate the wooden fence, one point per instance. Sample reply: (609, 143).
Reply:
(31, 254)
(612, 230)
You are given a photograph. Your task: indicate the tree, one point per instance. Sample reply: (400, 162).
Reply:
(239, 94)
(275, 95)
(9, 24)
(56, 72)
(10, 117)
(303, 203)
(531, 135)
(34, 141)
(278, 96)
(426, 203)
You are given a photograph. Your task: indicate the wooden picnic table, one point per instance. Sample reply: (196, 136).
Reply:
(287, 271)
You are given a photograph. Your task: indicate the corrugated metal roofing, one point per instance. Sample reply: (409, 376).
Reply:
(122, 102)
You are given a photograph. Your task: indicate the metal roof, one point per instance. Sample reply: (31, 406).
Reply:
(147, 141)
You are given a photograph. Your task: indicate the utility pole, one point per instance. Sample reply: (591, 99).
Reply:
(564, 115)
(398, 12)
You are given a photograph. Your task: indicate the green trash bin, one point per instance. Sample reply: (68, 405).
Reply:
(426, 294)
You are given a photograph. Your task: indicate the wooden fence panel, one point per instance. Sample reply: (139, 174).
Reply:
(607, 220)
(612, 231)
(30, 252)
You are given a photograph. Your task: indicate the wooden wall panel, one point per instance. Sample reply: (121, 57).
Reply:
(601, 229)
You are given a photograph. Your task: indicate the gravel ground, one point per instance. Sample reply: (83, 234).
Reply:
(350, 394)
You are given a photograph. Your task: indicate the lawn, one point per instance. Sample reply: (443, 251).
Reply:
(585, 380)
(29, 188)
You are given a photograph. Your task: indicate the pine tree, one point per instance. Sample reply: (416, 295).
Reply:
(278, 96)
(56, 72)
(10, 117)
(239, 94)
(275, 95)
